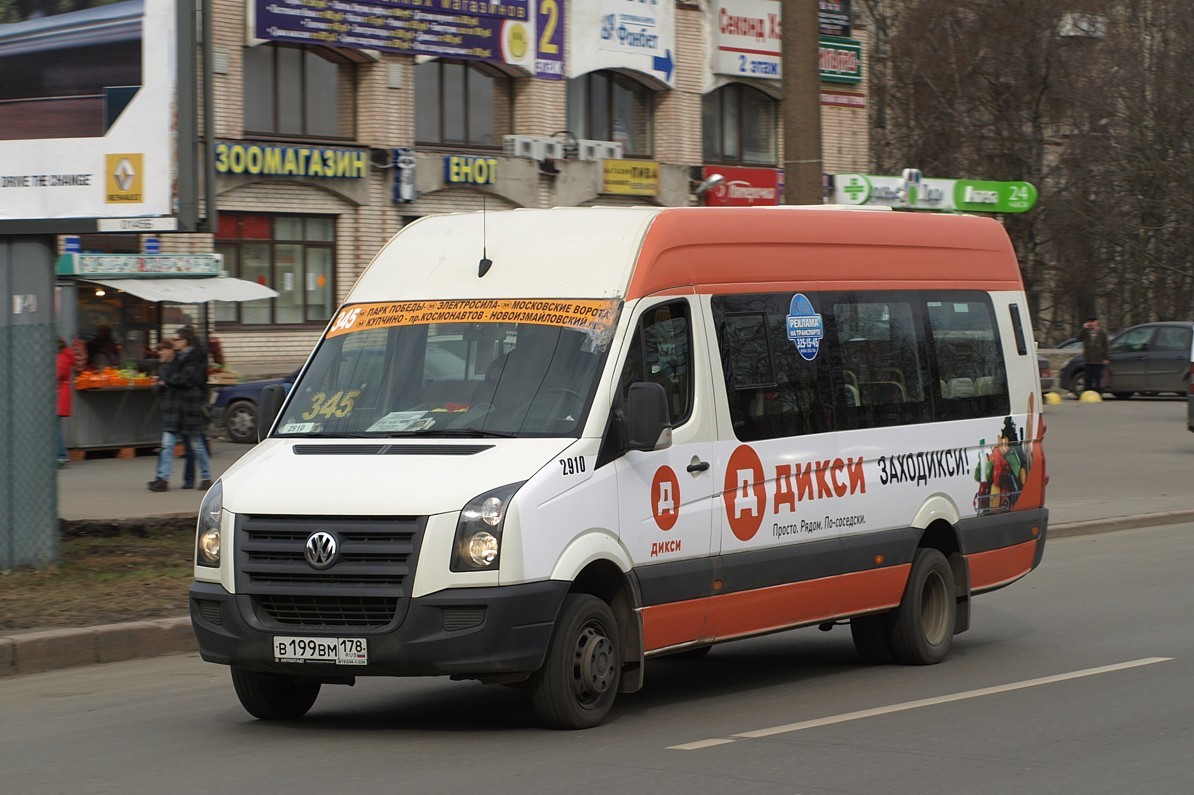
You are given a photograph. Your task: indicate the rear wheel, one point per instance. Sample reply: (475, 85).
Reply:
(577, 684)
(922, 627)
(1078, 383)
(274, 696)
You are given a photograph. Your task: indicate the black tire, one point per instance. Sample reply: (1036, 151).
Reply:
(872, 638)
(1078, 383)
(274, 696)
(240, 421)
(579, 680)
(922, 627)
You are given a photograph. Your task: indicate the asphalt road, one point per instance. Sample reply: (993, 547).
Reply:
(1075, 680)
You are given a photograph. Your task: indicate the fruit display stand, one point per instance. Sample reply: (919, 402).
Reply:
(113, 411)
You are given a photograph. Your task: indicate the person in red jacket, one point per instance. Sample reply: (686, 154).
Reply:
(66, 370)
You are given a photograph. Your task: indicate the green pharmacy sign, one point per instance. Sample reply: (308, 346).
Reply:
(957, 195)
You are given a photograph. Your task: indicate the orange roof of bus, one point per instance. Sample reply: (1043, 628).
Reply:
(751, 249)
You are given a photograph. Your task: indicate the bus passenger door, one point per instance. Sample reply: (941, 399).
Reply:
(666, 496)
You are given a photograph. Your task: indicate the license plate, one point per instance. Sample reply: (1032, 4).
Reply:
(341, 651)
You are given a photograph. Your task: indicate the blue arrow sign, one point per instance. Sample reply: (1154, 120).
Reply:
(663, 63)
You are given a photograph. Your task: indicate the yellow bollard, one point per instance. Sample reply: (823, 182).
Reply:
(1052, 399)
(1090, 396)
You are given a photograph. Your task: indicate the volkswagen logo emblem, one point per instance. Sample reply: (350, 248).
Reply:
(322, 549)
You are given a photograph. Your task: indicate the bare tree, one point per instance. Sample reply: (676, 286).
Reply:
(1083, 98)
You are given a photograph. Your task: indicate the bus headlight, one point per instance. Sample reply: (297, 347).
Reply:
(207, 532)
(478, 543)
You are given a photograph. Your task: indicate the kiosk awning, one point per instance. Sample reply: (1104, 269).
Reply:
(190, 290)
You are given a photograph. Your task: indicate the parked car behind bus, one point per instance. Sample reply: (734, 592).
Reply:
(1147, 359)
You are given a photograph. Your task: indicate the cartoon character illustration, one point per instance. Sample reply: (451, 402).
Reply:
(1001, 477)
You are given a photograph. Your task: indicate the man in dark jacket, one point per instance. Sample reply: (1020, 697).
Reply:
(1094, 351)
(183, 381)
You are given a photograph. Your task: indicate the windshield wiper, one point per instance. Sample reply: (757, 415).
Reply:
(322, 435)
(470, 433)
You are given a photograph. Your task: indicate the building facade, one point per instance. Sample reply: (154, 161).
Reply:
(413, 107)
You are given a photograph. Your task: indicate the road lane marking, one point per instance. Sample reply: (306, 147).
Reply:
(907, 705)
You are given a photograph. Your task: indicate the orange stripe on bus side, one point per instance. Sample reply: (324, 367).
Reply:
(750, 612)
(1000, 566)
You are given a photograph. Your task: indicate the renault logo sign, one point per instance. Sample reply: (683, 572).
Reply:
(322, 549)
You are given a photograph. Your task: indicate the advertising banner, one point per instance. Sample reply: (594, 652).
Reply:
(623, 34)
(747, 36)
(743, 187)
(963, 195)
(833, 17)
(630, 177)
(87, 102)
(840, 60)
(524, 33)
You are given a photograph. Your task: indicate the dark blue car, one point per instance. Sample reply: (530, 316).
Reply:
(235, 407)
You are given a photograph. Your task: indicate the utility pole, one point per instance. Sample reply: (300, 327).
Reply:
(801, 103)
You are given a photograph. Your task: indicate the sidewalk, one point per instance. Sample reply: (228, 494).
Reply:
(1112, 466)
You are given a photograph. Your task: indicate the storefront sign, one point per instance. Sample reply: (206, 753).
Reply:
(60, 156)
(470, 170)
(743, 187)
(139, 264)
(624, 34)
(525, 33)
(964, 195)
(843, 99)
(840, 60)
(630, 177)
(748, 38)
(291, 161)
(833, 17)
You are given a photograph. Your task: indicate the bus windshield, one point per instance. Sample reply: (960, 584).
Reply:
(526, 368)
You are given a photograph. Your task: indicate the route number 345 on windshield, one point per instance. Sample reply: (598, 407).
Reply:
(340, 404)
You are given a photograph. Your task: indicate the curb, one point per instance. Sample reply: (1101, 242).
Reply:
(52, 649)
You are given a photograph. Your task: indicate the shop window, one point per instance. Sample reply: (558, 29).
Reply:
(606, 106)
(739, 126)
(299, 91)
(294, 255)
(461, 104)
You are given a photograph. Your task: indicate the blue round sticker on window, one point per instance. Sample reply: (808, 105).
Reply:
(805, 328)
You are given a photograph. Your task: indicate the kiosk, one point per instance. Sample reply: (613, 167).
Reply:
(138, 298)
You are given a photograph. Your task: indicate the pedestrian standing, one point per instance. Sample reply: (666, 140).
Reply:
(1094, 353)
(66, 370)
(182, 379)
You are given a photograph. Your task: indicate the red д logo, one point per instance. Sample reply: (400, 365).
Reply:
(744, 493)
(665, 498)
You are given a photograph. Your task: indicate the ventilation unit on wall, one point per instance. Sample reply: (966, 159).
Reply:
(534, 147)
(523, 146)
(598, 150)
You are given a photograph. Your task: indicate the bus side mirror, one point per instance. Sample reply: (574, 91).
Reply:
(647, 418)
(267, 411)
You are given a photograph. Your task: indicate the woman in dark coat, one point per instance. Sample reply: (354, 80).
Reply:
(183, 381)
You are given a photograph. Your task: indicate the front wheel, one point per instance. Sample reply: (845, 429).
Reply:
(240, 420)
(1078, 383)
(577, 684)
(922, 627)
(274, 696)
